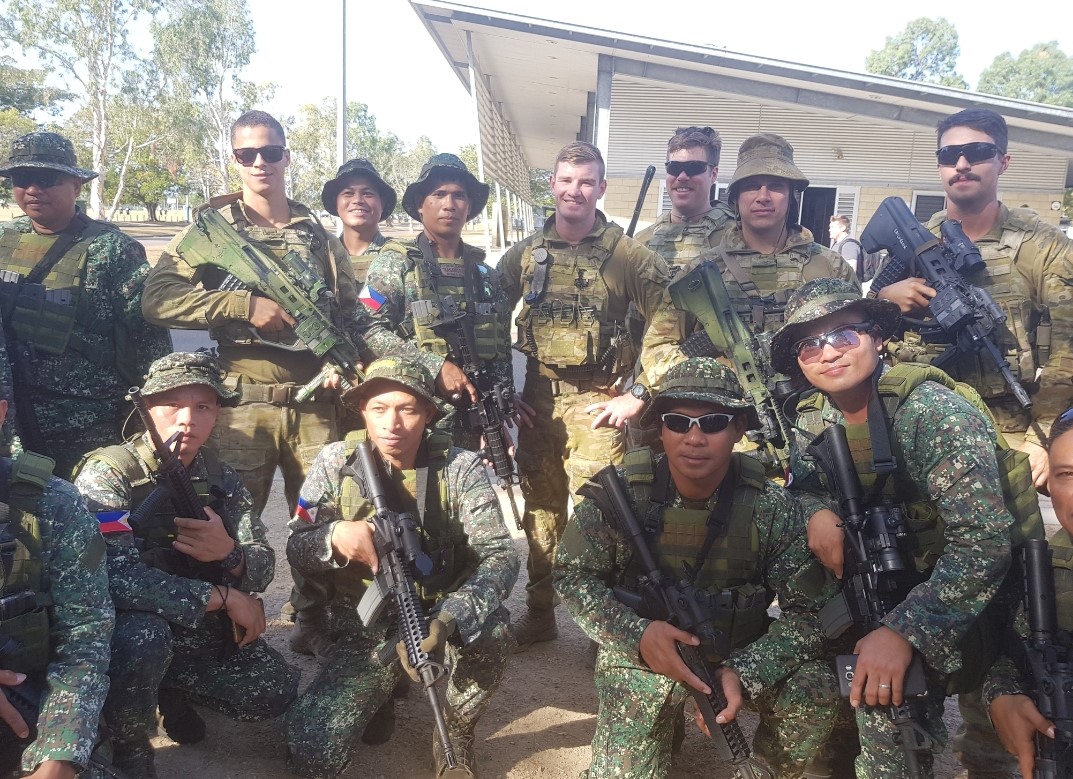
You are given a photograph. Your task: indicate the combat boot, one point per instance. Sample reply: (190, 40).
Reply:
(134, 759)
(461, 734)
(287, 612)
(181, 721)
(534, 627)
(381, 727)
(312, 634)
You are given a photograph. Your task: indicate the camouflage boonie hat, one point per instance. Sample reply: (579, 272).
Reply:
(819, 298)
(45, 150)
(766, 154)
(351, 168)
(181, 369)
(701, 380)
(396, 370)
(448, 164)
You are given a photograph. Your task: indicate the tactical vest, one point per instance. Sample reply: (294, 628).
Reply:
(1062, 564)
(24, 636)
(730, 571)
(679, 243)
(46, 315)
(361, 262)
(443, 536)
(570, 321)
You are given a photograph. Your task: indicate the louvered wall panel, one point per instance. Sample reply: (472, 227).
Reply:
(503, 159)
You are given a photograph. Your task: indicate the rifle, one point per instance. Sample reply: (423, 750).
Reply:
(703, 293)
(686, 607)
(25, 697)
(398, 547)
(1050, 664)
(650, 173)
(873, 584)
(967, 315)
(288, 281)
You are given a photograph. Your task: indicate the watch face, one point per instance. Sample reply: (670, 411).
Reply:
(640, 391)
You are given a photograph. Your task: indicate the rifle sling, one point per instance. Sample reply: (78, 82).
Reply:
(422, 482)
(879, 426)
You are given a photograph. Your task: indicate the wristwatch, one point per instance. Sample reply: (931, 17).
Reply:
(640, 391)
(233, 559)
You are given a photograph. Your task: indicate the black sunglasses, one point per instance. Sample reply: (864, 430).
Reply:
(269, 154)
(977, 151)
(42, 177)
(689, 167)
(708, 423)
(842, 338)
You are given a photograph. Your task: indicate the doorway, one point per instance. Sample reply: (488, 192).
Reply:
(817, 206)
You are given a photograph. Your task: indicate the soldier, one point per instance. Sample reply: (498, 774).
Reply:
(72, 301)
(701, 412)
(361, 200)
(578, 276)
(461, 527)
(846, 245)
(178, 599)
(1029, 272)
(944, 450)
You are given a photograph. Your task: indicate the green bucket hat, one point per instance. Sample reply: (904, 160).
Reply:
(766, 154)
(181, 369)
(819, 298)
(454, 168)
(45, 150)
(701, 380)
(412, 376)
(351, 169)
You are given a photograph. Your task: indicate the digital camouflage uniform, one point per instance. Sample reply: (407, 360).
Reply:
(761, 553)
(476, 570)
(76, 352)
(329, 195)
(63, 650)
(361, 262)
(574, 336)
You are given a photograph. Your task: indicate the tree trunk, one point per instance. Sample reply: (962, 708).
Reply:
(151, 210)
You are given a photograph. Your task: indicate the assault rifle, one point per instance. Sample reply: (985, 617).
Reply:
(702, 293)
(398, 547)
(288, 281)
(1050, 664)
(967, 315)
(25, 697)
(650, 173)
(873, 583)
(687, 608)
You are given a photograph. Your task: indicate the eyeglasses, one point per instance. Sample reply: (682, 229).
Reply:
(978, 151)
(42, 177)
(1067, 416)
(708, 423)
(842, 338)
(269, 154)
(689, 167)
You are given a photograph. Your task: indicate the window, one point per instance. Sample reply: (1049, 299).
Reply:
(927, 204)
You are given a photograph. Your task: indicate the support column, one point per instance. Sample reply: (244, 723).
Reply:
(472, 61)
(602, 130)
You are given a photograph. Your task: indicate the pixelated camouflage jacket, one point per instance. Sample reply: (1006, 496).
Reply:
(948, 452)
(80, 629)
(136, 586)
(75, 390)
(670, 236)
(361, 262)
(593, 556)
(472, 501)
(392, 274)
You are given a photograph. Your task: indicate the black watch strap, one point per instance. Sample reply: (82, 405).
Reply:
(233, 559)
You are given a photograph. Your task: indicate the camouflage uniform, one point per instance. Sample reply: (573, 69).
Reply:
(578, 351)
(76, 353)
(761, 553)
(324, 724)
(362, 262)
(329, 195)
(63, 650)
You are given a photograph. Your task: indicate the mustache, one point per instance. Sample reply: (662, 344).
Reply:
(964, 177)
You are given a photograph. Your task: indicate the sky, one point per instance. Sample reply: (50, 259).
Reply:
(395, 68)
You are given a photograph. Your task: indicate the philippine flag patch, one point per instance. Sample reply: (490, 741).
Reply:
(302, 512)
(114, 522)
(371, 298)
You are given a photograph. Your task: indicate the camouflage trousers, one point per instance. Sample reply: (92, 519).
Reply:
(67, 446)
(555, 457)
(253, 683)
(325, 724)
(638, 710)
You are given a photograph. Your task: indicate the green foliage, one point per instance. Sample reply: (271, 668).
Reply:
(926, 50)
(25, 90)
(1042, 74)
(12, 125)
(540, 186)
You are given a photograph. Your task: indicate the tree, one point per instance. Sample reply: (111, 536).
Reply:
(25, 90)
(12, 125)
(1042, 74)
(926, 50)
(540, 186)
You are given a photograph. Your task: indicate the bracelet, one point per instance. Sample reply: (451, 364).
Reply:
(234, 558)
(224, 592)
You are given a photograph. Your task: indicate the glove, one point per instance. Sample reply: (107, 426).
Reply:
(439, 630)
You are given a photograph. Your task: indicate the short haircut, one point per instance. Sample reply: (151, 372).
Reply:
(982, 119)
(697, 138)
(842, 220)
(258, 119)
(580, 153)
(1059, 428)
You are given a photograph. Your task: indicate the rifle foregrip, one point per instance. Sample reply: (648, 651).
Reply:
(1040, 599)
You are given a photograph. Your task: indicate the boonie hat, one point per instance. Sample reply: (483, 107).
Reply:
(181, 369)
(701, 380)
(819, 298)
(445, 163)
(45, 150)
(766, 154)
(396, 370)
(358, 167)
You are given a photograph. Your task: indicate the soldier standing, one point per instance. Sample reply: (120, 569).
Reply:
(361, 200)
(461, 529)
(72, 301)
(187, 626)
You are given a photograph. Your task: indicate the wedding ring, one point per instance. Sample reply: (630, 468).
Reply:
(887, 686)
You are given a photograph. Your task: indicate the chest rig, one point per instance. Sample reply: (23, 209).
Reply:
(423, 493)
(680, 242)
(24, 601)
(717, 546)
(361, 262)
